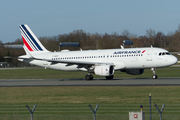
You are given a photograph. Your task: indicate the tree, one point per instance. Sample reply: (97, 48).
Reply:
(18, 41)
(151, 35)
(126, 34)
(160, 40)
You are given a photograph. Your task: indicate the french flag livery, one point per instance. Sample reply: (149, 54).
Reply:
(143, 51)
(30, 41)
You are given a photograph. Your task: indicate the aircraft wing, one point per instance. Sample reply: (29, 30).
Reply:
(77, 62)
(67, 61)
(86, 64)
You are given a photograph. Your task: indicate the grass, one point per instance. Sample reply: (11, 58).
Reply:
(71, 103)
(89, 94)
(54, 74)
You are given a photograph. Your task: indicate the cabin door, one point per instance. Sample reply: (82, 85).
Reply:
(149, 54)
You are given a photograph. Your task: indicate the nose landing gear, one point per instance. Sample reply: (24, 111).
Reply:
(154, 73)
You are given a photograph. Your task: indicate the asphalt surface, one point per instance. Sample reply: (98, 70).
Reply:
(95, 82)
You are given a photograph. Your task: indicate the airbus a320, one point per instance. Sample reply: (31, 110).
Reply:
(100, 62)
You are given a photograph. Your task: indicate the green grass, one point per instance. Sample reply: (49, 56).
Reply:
(54, 74)
(71, 103)
(89, 94)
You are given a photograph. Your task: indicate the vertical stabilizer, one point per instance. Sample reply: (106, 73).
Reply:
(31, 42)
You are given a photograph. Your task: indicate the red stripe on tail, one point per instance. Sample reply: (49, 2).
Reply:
(27, 45)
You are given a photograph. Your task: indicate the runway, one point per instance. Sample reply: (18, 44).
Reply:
(95, 82)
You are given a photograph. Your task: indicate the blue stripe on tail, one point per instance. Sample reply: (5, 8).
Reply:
(28, 38)
(32, 38)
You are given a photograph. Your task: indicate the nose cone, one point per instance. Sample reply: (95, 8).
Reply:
(173, 60)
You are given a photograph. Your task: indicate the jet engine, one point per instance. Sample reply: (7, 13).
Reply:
(133, 71)
(104, 70)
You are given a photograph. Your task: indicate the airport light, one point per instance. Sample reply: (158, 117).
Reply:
(141, 108)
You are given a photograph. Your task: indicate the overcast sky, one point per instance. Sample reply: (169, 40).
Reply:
(54, 17)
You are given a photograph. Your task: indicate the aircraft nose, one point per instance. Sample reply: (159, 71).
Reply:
(173, 60)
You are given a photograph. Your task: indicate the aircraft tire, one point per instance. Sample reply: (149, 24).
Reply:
(154, 76)
(109, 77)
(89, 77)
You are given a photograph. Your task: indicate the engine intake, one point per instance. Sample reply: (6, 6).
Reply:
(104, 70)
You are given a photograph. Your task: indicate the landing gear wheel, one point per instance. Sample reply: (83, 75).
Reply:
(109, 77)
(89, 77)
(154, 73)
(154, 76)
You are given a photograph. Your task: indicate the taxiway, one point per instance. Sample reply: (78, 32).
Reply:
(95, 82)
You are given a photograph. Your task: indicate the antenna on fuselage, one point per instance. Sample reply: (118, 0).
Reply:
(122, 47)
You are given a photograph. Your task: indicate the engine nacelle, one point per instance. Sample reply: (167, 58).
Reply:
(133, 71)
(104, 70)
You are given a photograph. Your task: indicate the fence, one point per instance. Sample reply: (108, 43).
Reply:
(83, 112)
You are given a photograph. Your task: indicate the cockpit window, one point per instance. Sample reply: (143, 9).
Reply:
(167, 53)
(164, 53)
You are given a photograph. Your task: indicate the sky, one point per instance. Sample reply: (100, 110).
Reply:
(55, 17)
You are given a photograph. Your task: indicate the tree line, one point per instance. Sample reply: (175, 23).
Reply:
(87, 41)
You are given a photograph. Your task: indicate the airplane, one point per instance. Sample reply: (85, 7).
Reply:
(100, 62)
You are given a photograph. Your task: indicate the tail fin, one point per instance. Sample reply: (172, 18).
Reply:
(31, 42)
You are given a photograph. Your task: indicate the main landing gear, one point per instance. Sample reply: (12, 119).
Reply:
(109, 77)
(154, 73)
(89, 77)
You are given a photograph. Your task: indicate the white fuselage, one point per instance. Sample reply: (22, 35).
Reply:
(128, 58)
